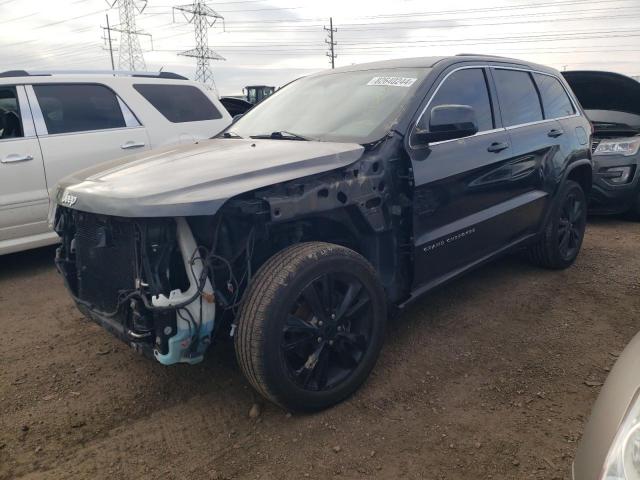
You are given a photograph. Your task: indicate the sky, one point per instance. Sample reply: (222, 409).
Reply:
(272, 42)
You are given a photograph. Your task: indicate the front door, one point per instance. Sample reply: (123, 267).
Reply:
(466, 204)
(23, 189)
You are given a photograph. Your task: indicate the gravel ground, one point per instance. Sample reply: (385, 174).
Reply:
(492, 376)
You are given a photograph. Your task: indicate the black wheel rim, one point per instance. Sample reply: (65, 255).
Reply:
(327, 331)
(570, 226)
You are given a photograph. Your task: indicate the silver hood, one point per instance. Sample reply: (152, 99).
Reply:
(197, 179)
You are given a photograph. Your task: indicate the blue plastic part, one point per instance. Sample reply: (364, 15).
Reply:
(179, 346)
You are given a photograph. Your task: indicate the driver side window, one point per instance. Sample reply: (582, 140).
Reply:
(467, 87)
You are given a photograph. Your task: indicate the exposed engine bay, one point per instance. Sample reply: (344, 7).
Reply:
(149, 282)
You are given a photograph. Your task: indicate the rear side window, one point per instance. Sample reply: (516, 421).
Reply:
(78, 108)
(179, 103)
(519, 100)
(467, 87)
(555, 101)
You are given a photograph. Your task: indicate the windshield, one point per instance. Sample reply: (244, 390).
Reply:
(356, 106)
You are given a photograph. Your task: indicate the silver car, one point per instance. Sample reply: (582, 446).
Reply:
(610, 446)
(53, 124)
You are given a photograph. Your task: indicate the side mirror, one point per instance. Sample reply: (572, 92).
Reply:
(447, 122)
(237, 117)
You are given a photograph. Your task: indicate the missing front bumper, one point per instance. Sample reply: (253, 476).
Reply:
(107, 268)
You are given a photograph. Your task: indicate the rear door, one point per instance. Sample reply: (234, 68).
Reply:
(538, 143)
(80, 125)
(464, 198)
(23, 189)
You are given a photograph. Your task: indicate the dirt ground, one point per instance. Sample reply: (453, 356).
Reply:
(484, 378)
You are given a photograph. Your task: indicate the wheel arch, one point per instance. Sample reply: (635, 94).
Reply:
(345, 227)
(362, 207)
(581, 173)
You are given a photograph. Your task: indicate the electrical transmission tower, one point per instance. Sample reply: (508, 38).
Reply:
(332, 44)
(130, 57)
(203, 17)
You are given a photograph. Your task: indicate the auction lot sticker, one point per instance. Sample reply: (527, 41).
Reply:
(392, 81)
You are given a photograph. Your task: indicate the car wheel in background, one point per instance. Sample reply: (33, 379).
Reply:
(563, 235)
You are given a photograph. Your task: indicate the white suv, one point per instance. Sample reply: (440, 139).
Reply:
(53, 124)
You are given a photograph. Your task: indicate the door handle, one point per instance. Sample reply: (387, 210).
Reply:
(16, 157)
(131, 144)
(496, 147)
(554, 133)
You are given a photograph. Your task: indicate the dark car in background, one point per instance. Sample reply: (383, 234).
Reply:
(612, 103)
(342, 197)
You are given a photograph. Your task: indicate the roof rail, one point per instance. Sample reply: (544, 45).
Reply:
(14, 73)
(478, 55)
(171, 75)
(119, 73)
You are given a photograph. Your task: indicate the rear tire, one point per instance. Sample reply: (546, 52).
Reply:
(562, 237)
(311, 326)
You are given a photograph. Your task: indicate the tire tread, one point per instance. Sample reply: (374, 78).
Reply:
(543, 253)
(272, 276)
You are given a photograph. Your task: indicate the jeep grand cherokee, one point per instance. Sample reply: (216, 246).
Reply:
(340, 199)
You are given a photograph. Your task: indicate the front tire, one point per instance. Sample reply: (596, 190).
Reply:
(311, 326)
(562, 238)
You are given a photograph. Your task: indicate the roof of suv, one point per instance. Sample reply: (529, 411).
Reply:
(428, 62)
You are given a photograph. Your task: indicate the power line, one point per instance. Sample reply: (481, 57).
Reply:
(560, 3)
(345, 28)
(445, 41)
(15, 19)
(258, 9)
(429, 23)
(387, 25)
(217, 3)
(515, 39)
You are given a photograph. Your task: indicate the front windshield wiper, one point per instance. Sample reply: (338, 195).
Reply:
(231, 135)
(282, 135)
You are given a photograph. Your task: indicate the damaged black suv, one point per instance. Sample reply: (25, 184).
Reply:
(332, 204)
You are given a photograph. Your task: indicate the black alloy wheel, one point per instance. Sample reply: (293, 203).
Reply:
(327, 331)
(560, 242)
(571, 225)
(311, 326)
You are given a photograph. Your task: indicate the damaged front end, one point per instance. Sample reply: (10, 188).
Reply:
(169, 285)
(146, 281)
